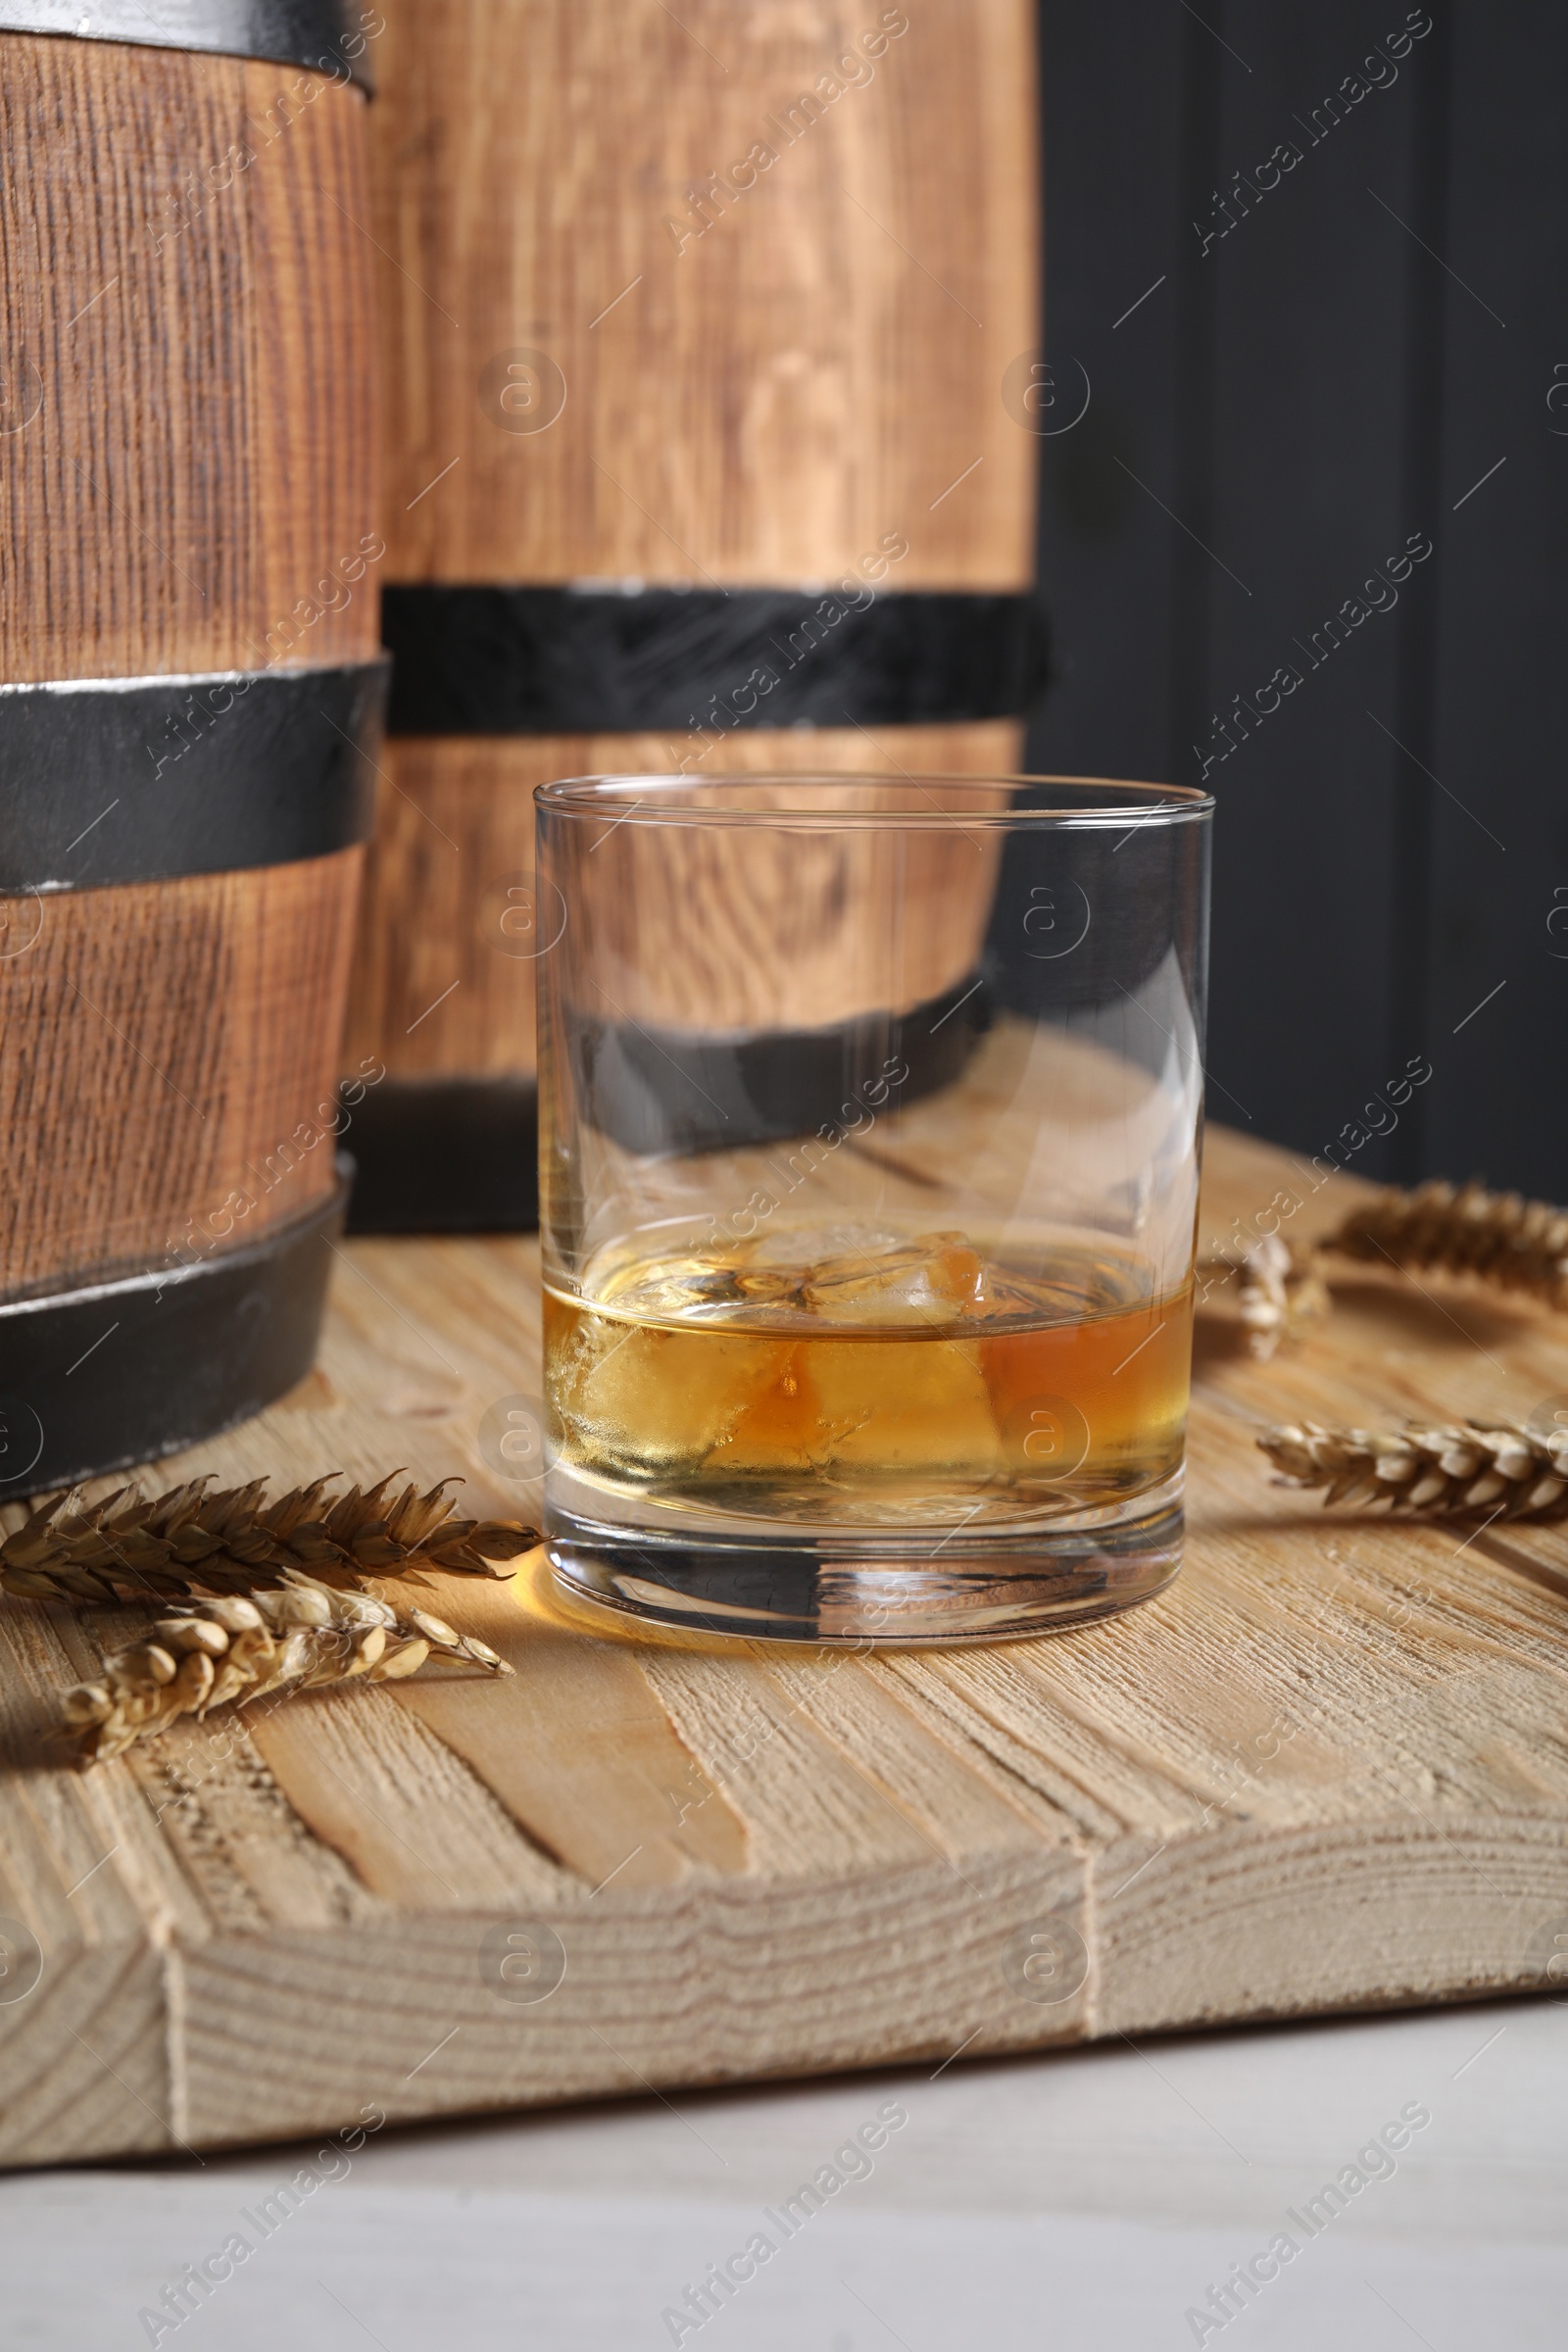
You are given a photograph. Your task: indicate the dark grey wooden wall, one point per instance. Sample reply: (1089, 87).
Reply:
(1291, 375)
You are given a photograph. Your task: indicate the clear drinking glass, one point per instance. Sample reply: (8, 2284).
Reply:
(870, 1130)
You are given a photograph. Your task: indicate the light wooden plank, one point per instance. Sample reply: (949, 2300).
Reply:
(1327, 1769)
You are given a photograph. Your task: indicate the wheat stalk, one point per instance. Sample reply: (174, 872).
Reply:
(236, 1648)
(188, 1541)
(1463, 1468)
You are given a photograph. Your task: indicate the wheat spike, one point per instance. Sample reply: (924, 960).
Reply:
(236, 1648)
(1501, 1238)
(1279, 1290)
(188, 1541)
(1517, 1244)
(1463, 1468)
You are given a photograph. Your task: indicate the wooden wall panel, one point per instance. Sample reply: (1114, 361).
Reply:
(1494, 799)
(1326, 371)
(1307, 393)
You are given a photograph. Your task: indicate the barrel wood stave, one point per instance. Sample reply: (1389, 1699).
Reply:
(794, 382)
(196, 474)
(765, 400)
(188, 476)
(159, 1073)
(440, 989)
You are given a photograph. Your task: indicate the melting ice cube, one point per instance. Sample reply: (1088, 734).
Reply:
(930, 1280)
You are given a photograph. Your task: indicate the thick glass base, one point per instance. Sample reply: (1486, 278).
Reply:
(874, 1587)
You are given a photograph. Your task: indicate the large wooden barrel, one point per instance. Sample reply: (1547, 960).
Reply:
(189, 709)
(696, 326)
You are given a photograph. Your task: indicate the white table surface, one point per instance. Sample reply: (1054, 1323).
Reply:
(1077, 2202)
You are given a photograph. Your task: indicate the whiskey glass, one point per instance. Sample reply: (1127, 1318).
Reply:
(871, 1114)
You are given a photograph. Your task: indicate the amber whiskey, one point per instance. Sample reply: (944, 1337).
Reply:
(856, 1376)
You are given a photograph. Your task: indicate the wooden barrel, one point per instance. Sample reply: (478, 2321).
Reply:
(189, 711)
(695, 330)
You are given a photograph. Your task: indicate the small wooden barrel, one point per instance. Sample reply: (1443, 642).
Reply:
(189, 712)
(695, 334)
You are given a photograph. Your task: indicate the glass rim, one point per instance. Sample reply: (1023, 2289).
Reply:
(1107, 801)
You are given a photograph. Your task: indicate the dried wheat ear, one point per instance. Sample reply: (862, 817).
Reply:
(133, 1547)
(1517, 1244)
(1279, 1288)
(1465, 1468)
(237, 1649)
(1501, 1238)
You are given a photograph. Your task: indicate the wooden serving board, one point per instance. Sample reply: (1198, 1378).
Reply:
(1327, 1771)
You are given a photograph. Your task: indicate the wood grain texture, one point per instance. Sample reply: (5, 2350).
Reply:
(164, 1046)
(188, 395)
(435, 991)
(759, 927)
(809, 365)
(188, 484)
(757, 403)
(1325, 1771)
